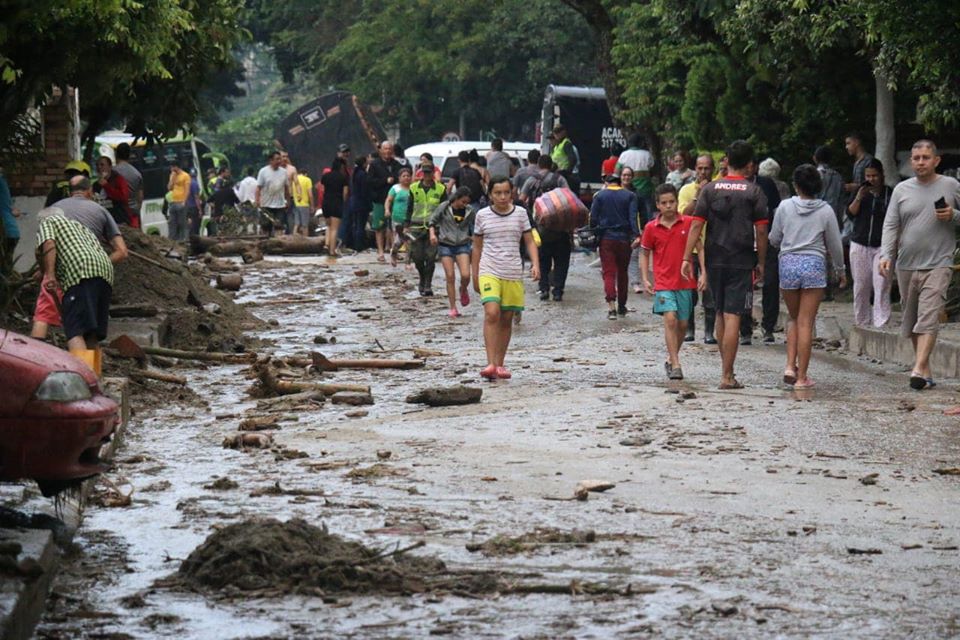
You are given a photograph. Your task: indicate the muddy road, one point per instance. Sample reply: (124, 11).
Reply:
(750, 513)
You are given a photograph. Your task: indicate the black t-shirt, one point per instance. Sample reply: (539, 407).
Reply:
(731, 207)
(333, 184)
(868, 224)
(224, 196)
(470, 178)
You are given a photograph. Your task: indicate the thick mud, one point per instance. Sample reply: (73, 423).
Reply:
(753, 513)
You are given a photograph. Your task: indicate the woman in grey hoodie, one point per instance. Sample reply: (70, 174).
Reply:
(806, 231)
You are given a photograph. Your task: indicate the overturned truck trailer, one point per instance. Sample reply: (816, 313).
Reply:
(312, 133)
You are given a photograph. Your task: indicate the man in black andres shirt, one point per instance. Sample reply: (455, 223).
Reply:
(734, 210)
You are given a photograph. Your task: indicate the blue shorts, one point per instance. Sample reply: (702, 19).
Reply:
(799, 271)
(447, 251)
(679, 301)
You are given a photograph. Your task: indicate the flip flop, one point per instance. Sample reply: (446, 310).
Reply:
(726, 386)
(805, 384)
(489, 372)
(930, 383)
(789, 377)
(917, 382)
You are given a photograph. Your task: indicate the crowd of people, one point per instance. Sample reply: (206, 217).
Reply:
(711, 234)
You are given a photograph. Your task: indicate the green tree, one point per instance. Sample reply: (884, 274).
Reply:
(427, 63)
(145, 63)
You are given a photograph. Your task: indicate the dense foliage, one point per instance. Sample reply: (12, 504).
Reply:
(155, 66)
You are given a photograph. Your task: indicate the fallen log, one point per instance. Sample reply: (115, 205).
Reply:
(133, 311)
(270, 384)
(229, 281)
(231, 248)
(205, 356)
(268, 404)
(446, 396)
(294, 245)
(152, 374)
(322, 363)
(202, 244)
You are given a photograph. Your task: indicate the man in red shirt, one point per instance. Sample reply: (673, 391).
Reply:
(665, 239)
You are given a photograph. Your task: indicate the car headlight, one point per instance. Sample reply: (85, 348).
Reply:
(63, 386)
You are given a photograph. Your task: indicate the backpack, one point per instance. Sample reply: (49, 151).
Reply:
(547, 183)
(470, 178)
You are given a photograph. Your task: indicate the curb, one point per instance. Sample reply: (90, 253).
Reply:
(23, 599)
(885, 345)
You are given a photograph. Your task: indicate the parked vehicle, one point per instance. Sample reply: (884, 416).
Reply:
(585, 114)
(445, 153)
(153, 161)
(53, 416)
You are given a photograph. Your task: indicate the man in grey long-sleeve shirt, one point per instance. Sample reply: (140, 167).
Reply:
(919, 237)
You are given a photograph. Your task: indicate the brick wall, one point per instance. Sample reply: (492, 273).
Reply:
(61, 144)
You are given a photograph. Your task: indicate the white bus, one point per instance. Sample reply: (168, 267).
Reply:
(153, 162)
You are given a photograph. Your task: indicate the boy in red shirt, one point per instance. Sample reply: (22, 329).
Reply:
(665, 239)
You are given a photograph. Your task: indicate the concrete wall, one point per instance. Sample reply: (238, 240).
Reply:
(28, 206)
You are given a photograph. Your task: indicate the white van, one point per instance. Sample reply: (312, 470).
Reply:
(445, 153)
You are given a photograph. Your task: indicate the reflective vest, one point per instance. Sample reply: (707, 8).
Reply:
(559, 155)
(425, 202)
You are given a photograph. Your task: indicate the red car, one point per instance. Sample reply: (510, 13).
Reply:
(53, 417)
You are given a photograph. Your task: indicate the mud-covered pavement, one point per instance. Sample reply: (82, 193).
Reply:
(750, 513)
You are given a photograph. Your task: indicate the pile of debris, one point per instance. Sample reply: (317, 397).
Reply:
(264, 558)
(198, 315)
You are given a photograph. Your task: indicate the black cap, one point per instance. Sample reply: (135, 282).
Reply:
(611, 178)
(343, 148)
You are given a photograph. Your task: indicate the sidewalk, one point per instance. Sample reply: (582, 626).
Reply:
(23, 598)
(835, 322)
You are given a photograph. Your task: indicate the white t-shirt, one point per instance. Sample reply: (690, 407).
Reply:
(636, 159)
(502, 234)
(272, 183)
(246, 189)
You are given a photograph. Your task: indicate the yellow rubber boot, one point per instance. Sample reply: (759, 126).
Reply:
(87, 356)
(98, 361)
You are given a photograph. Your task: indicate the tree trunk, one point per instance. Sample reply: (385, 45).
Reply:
(885, 131)
(599, 20)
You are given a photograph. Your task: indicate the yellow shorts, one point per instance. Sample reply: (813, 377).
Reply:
(507, 293)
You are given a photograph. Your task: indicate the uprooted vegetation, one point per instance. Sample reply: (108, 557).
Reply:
(272, 558)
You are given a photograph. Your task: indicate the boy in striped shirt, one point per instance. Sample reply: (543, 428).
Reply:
(498, 271)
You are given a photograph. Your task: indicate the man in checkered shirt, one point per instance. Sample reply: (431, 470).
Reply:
(71, 258)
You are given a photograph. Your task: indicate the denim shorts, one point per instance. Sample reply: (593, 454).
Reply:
(447, 251)
(802, 272)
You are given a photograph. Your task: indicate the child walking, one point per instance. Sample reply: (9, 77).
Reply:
(665, 240)
(450, 228)
(396, 210)
(498, 270)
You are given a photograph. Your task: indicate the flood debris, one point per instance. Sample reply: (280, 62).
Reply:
(322, 363)
(276, 558)
(378, 470)
(270, 385)
(221, 484)
(229, 281)
(248, 441)
(259, 423)
(354, 399)
(446, 396)
(504, 545)
(269, 558)
(948, 471)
